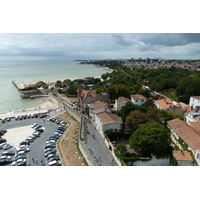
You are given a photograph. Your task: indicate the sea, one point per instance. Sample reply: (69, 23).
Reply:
(22, 71)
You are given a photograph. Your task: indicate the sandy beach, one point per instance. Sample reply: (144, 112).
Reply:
(43, 107)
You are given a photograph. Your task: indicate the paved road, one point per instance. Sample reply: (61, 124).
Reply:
(101, 154)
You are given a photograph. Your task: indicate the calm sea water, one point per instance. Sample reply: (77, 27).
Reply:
(36, 70)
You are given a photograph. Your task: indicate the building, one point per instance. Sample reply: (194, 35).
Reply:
(85, 97)
(194, 101)
(105, 121)
(138, 99)
(183, 158)
(120, 102)
(182, 134)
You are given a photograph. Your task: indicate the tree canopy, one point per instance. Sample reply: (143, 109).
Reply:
(151, 138)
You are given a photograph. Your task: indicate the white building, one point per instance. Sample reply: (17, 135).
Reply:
(194, 101)
(105, 121)
(120, 102)
(180, 130)
(138, 99)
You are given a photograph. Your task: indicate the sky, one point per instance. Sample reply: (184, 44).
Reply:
(71, 46)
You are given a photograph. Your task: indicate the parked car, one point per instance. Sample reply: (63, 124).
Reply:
(3, 144)
(37, 126)
(50, 145)
(2, 140)
(50, 149)
(3, 120)
(36, 133)
(19, 162)
(52, 155)
(25, 142)
(23, 148)
(4, 161)
(8, 153)
(53, 158)
(18, 156)
(54, 163)
(7, 146)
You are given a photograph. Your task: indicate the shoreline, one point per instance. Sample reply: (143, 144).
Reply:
(42, 107)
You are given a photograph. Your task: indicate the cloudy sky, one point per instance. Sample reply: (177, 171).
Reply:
(69, 46)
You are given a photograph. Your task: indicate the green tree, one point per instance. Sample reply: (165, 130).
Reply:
(133, 120)
(121, 148)
(151, 138)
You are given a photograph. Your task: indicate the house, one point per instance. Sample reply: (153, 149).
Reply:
(183, 158)
(98, 107)
(192, 116)
(171, 106)
(183, 134)
(105, 121)
(120, 102)
(85, 97)
(194, 101)
(138, 99)
(164, 104)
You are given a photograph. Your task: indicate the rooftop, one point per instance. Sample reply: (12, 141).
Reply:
(108, 117)
(120, 99)
(182, 155)
(137, 96)
(186, 132)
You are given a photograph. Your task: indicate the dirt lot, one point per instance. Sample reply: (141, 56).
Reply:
(67, 146)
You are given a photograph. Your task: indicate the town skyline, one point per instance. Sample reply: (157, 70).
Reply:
(72, 46)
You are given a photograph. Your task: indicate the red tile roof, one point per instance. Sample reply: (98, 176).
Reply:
(186, 132)
(165, 103)
(182, 155)
(195, 125)
(137, 96)
(120, 99)
(108, 117)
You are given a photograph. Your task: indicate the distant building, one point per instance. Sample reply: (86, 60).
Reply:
(138, 99)
(194, 101)
(120, 102)
(85, 97)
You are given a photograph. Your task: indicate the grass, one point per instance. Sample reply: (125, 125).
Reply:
(170, 94)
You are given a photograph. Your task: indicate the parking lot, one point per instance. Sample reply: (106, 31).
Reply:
(19, 130)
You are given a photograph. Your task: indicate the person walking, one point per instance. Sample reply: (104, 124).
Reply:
(33, 160)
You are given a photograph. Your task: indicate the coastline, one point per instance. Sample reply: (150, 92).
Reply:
(41, 108)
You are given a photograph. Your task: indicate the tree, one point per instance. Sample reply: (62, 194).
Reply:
(151, 138)
(121, 148)
(133, 120)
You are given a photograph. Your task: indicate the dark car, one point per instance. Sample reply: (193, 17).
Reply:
(2, 140)
(50, 149)
(25, 142)
(8, 153)
(50, 145)
(49, 152)
(19, 156)
(40, 130)
(4, 161)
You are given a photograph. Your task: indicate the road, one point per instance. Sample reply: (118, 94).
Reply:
(100, 153)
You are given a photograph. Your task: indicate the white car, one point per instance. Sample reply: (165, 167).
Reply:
(5, 156)
(23, 148)
(7, 146)
(34, 125)
(20, 160)
(54, 163)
